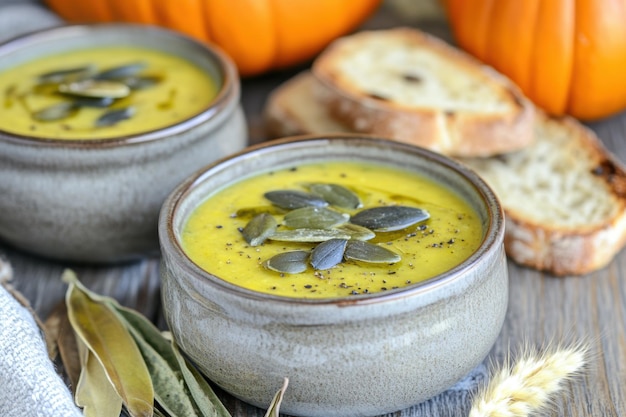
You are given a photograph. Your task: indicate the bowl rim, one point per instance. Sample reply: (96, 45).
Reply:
(229, 91)
(493, 237)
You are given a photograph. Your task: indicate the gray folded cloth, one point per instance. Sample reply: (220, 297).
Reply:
(29, 383)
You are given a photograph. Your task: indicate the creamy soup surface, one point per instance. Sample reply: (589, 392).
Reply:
(212, 236)
(178, 90)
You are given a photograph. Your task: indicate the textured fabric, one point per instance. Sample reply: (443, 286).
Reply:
(29, 385)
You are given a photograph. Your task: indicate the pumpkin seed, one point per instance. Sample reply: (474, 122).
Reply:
(389, 218)
(308, 235)
(141, 82)
(367, 252)
(259, 229)
(46, 89)
(113, 117)
(314, 218)
(121, 72)
(55, 112)
(328, 254)
(99, 102)
(253, 211)
(95, 88)
(67, 75)
(293, 199)
(357, 232)
(292, 262)
(336, 195)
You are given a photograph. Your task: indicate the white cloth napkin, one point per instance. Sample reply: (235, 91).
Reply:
(29, 385)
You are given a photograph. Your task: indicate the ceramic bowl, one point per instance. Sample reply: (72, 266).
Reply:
(98, 200)
(352, 356)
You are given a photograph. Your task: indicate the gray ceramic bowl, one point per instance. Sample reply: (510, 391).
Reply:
(360, 356)
(98, 200)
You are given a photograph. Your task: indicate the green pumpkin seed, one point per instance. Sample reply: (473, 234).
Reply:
(314, 218)
(56, 112)
(259, 229)
(367, 252)
(142, 82)
(113, 117)
(357, 232)
(293, 199)
(292, 262)
(95, 88)
(336, 195)
(67, 75)
(389, 218)
(121, 72)
(99, 102)
(328, 254)
(253, 211)
(309, 235)
(46, 89)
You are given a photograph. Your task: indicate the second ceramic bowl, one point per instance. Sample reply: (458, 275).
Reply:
(97, 200)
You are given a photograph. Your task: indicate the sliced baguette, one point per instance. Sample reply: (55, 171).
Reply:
(292, 109)
(410, 86)
(564, 196)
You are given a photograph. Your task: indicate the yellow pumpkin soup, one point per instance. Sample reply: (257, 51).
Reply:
(328, 230)
(100, 93)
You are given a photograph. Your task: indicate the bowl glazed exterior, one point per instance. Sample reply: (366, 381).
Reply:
(354, 356)
(98, 200)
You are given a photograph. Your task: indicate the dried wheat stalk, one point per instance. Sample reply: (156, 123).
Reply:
(525, 387)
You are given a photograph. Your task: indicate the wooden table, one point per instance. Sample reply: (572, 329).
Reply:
(542, 308)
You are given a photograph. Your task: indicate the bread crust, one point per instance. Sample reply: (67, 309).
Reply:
(451, 131)
(292, 109)
(573, 249)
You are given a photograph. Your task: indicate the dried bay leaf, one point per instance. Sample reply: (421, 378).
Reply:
(61, 341)
(51, 328)
(274, 408)
(68, 350)
(94, 391)
(202, 393)
(108, 339)
(170, 390)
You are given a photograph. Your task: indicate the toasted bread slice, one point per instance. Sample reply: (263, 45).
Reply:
(293, 109)
(410, 86)
(564, 196)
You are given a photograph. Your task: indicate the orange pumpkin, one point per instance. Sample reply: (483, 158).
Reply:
(260, 35)
(568, 56)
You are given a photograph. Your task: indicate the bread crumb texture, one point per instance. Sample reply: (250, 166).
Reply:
(559, 180)
(391, 66)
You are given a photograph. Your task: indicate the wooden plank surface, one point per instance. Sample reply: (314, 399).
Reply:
(542, 310)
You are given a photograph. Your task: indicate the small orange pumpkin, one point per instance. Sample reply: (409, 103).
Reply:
(568, 56)
(260, 35)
